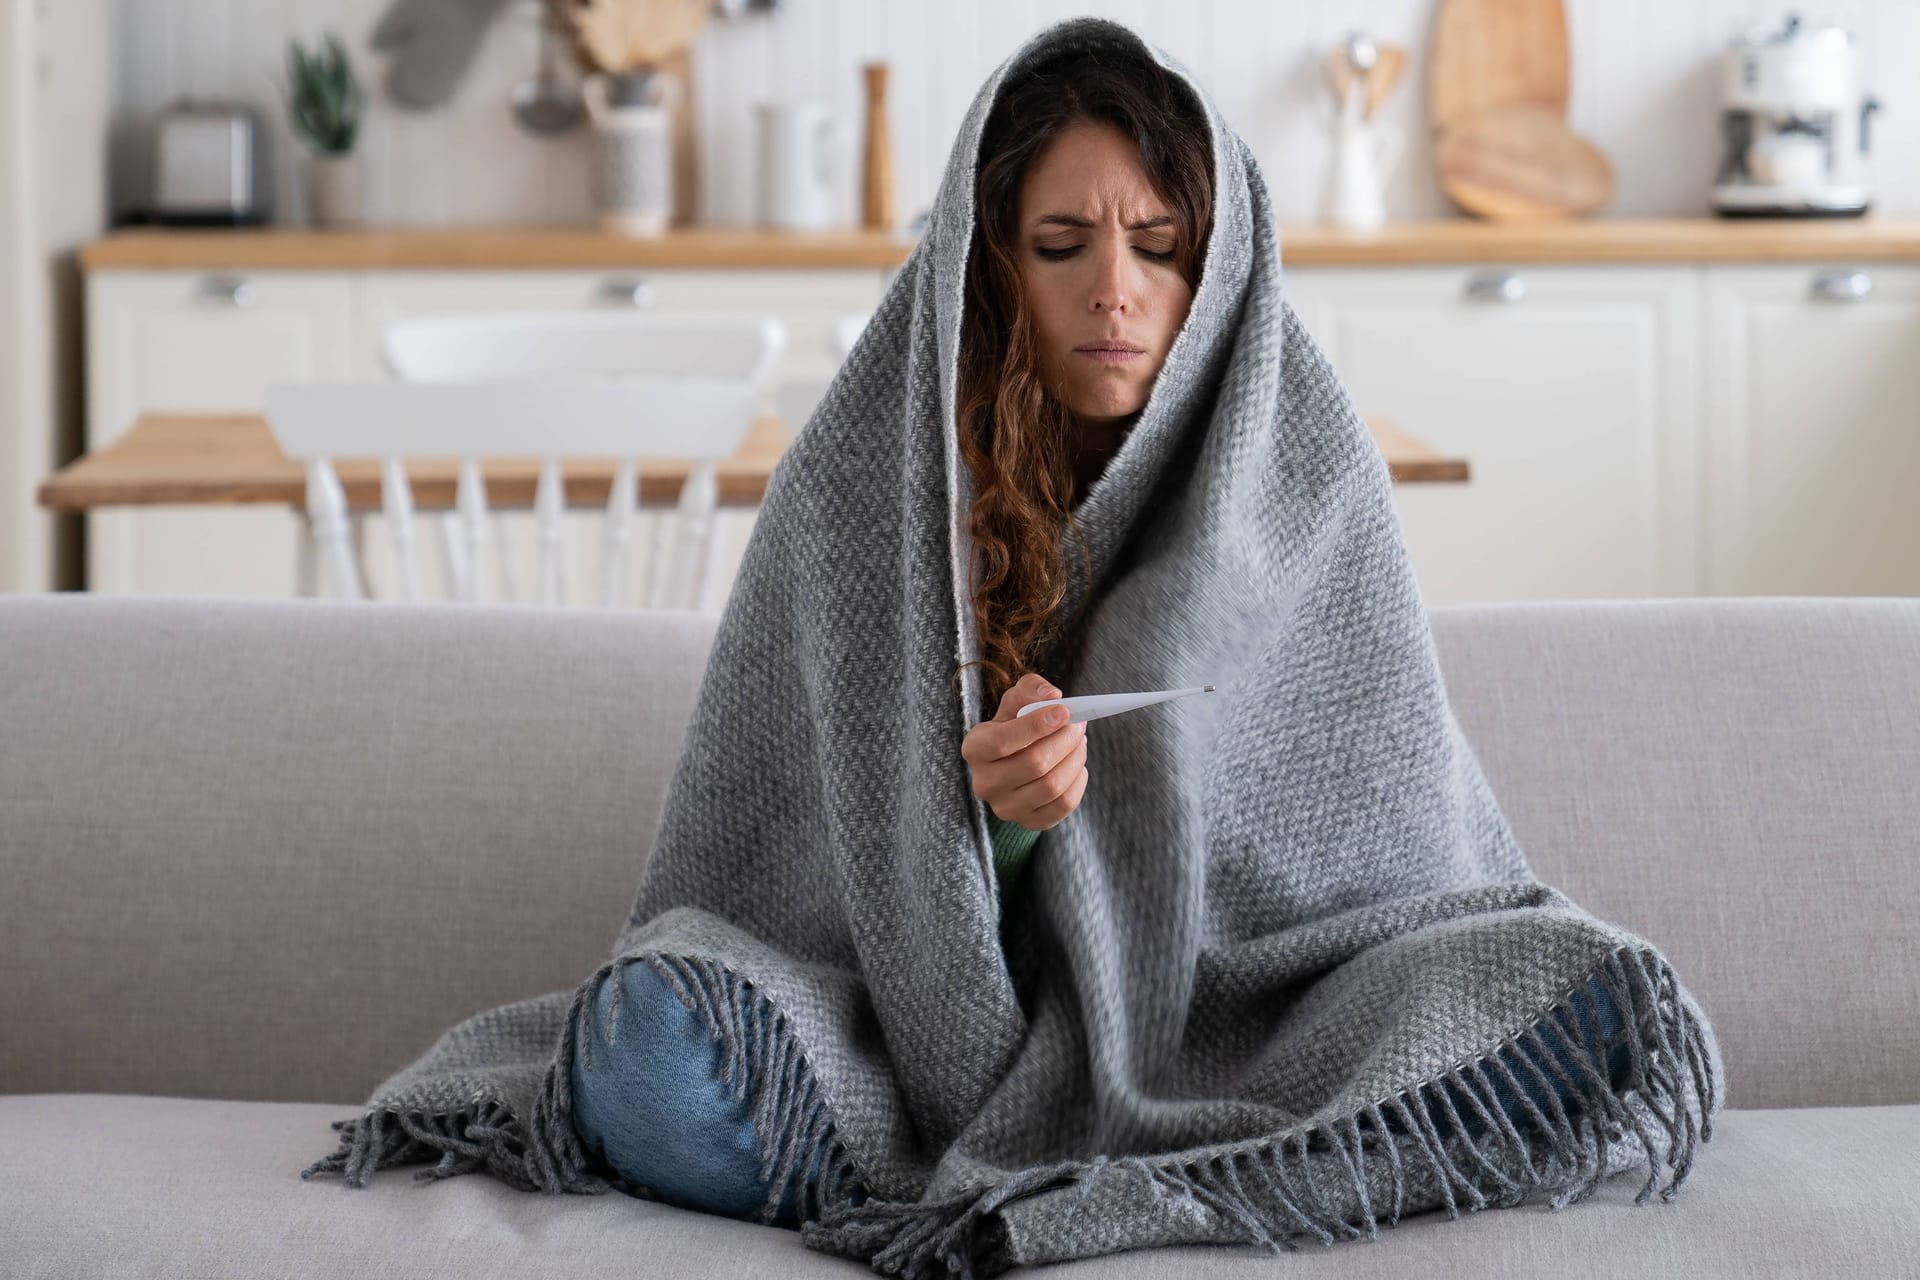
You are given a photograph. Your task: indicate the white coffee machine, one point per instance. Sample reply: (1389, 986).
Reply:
(1795, 122)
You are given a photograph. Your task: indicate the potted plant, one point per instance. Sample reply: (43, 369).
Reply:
(324, 105)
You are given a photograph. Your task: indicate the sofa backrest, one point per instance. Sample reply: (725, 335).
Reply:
(1738, 781)
(268, 850)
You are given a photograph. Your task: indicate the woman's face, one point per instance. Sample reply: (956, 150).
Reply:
(1097, 269)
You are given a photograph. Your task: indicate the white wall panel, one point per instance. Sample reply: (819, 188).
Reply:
(1644, 89)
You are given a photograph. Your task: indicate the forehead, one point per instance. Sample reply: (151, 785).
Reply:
(1090, 170)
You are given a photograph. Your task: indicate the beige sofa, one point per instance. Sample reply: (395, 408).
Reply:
(254, 856)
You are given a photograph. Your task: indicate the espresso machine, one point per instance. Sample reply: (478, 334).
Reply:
(1794, 117)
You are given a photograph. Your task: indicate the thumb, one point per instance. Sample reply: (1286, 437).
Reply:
(1031, 687)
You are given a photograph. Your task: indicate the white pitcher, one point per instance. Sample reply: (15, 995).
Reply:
(796, 165)
(632, 165)
(1363, 155)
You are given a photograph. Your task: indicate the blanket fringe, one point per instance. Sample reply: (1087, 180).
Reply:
(1266, 1187)
(538, 1153)
(760, 1056)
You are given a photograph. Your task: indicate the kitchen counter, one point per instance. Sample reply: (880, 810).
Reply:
(1427, 242)
(1686, 240)
(485, 247)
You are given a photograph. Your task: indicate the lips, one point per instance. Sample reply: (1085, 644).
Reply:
(1110, 351)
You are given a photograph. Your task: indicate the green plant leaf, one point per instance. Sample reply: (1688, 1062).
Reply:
(324, 96)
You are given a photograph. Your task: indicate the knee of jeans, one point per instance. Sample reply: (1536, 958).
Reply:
(653, 1103)
(655, 1043)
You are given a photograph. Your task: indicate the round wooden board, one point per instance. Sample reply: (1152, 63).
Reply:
(1520, 163)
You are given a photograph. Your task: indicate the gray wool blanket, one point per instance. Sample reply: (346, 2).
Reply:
(1260, 982)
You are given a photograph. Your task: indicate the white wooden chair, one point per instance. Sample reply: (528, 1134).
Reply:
(462, 348)
(552, 386)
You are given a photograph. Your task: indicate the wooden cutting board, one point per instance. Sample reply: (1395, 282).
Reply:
(1520, 163)
(1495, 53)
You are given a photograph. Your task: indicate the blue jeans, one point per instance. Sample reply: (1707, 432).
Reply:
(655, 1108)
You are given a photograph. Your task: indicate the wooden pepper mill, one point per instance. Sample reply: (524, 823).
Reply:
(877, 175)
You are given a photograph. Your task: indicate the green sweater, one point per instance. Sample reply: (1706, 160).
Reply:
(1011, 845)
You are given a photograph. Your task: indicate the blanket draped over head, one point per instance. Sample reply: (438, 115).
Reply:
(1257, 987)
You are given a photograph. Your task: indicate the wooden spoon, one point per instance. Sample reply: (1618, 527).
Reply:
(1381, 80)
(1386, 74)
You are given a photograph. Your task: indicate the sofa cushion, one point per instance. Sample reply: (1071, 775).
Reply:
(116, 1185)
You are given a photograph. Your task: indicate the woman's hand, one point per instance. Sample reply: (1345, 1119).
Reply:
(1032, 771)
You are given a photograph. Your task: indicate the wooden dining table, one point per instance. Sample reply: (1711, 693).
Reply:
(231, 459)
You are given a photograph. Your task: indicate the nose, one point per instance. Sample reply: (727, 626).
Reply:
(1112, 278)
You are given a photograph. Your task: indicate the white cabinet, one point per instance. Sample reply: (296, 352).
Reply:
(1570, 391)
(189, 342)
(1632, 430)
(1814, 429)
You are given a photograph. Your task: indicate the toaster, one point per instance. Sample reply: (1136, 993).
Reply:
(209, 165)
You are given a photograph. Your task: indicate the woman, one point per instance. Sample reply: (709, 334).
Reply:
(912, 973)
(1082, 273)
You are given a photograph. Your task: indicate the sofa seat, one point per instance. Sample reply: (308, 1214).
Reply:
(122, 1185)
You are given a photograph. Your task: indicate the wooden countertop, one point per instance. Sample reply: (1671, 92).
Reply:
(485, 247)
(1463, 240)
(232, 459)
(1428, 242)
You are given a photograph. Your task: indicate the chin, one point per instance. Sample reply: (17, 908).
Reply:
(1102, 398)
(1107, 406)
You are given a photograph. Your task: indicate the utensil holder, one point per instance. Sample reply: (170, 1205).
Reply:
(631, 167)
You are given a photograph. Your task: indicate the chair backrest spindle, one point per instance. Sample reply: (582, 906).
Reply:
(339, 572)
(396, 505)
(470, 501)
(616, 543)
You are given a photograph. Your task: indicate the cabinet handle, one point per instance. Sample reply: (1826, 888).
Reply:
(1842, 286)
(231, 290)
(1496, 286)
(634, 293)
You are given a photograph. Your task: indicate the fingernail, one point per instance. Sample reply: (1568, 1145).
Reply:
(1057, 715)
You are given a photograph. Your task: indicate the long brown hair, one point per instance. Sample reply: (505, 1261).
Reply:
(1015, 433)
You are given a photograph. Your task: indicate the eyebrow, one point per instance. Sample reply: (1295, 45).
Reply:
(1071, 220)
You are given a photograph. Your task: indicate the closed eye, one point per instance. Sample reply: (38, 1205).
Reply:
(1055, 255)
